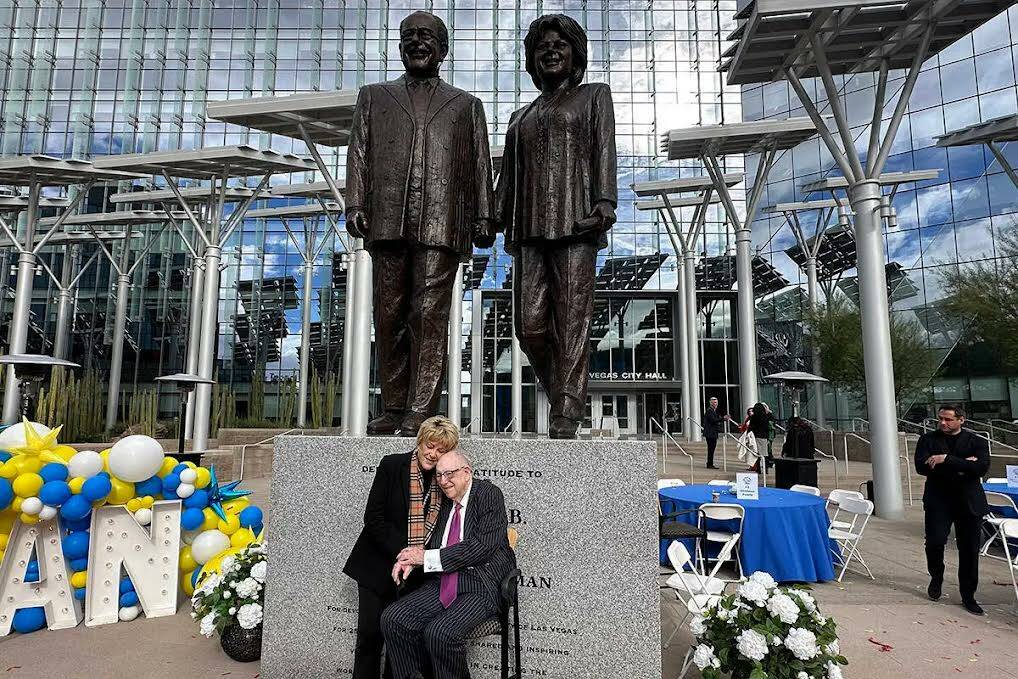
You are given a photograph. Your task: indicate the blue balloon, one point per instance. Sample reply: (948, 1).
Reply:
(6, 493)
(179, 468)
(79, 593)
(77, 507)
(84, 523)
(29, 619)
(54, 493)
(194, 576)
(126, 586)
(199, 499)
(128, 599)
(170, 482)
(170, 495)
(32, 572)
(76, 546)
(53, 471)
(150, 486)
(105, 474)
(96, 488)
(4, 455)
(78, 564)
(250, 516)
(191, 518)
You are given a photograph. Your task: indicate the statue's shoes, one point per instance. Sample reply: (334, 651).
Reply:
(385, 424)
(562, 428)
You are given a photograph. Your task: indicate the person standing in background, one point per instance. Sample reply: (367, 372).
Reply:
(712, 423)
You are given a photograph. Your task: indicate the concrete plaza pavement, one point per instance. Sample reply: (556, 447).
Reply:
(888, 628)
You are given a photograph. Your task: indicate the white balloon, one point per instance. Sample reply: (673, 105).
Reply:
(14, 435)
(143, 516)
(208, 544)
(136, 458)
(129, 613)
(85, 463)
(188, 476)
(31, 505)
(47, 513)
(184, 490)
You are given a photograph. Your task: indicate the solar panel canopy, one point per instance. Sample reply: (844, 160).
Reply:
(996, 130)
(206, 163)
(733, 138)
(326, 116)
(50, 171)
(194, 194)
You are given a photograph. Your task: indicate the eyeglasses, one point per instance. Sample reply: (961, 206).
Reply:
(448, 475)
(419, 33)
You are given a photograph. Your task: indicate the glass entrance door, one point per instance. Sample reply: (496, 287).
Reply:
(611, 412)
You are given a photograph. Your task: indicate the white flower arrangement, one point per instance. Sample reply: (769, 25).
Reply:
(764, 631)
(234, 597)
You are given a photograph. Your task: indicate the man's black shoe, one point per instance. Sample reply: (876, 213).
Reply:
(972, 607)
(710, 466)
(934, 591)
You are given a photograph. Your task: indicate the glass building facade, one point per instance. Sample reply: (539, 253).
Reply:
(952, 221)
(85, 79)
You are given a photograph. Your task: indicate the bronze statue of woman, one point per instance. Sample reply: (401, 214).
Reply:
(556, 200)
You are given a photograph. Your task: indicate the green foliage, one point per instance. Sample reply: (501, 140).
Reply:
(986, 293)
(75, 403)
(141, 412)
(218, 602)
(835, 329)
(256, 406)
(224, 408)
(322, 398)
(287, 401)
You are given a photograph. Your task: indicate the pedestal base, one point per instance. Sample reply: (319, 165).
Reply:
(586, 515)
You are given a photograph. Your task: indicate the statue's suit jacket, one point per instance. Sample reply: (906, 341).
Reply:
(456, 176)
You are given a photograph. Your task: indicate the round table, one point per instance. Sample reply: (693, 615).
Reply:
(784, 533)
(1004, 489)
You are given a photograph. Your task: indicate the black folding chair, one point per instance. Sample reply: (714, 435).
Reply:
(509, 600)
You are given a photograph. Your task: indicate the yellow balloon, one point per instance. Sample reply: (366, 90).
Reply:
(185, 583)
(230, 526)
(133, 505)
(187, 562)
(105, 455)
(3, 542)
(27, 464)
(215, 563)
(16, 503)
(121, 493)
(190, 464)
(204, 477)
(27, 485)
(168, 464)
(211, 519)
(9, 469)
(236, 506)
(7, 517)
(79, 579)
(242, 538)
(147, 501)
(66, 452)
(76, 483)
(29, 519)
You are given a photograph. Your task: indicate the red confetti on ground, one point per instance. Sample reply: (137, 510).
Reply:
(976, 641)
(14, 667)
(884, 648)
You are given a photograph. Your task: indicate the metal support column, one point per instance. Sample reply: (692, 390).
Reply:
(18, 335)
(348, 317)
(454, 365)
(305, 344)
(194, 337)
(516, 380)
(812, 295)
(207, 342)
(360, 336)
(684, 352)
(119, 331)
(692, 342)
(64, 303)
(476, 359)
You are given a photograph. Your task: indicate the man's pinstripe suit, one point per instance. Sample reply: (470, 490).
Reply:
(418, 624)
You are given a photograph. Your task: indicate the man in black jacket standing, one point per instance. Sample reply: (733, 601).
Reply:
(713, 423)
(465, 562)
(954, 461)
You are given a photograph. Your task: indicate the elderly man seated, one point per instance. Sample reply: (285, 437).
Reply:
(466, 559)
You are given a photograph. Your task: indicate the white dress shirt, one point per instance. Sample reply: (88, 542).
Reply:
(432, 557)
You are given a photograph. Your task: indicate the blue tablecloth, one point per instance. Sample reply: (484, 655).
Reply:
(784, 532)
(1006, 490)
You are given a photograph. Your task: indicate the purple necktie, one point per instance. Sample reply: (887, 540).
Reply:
(450, 581)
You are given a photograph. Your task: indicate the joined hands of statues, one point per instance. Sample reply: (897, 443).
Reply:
(357, 223)
(600, 218)
(484, 234)
(406, 561)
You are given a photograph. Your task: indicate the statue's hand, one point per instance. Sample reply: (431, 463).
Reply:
(600, 218)
(357, 223)
(483, 233)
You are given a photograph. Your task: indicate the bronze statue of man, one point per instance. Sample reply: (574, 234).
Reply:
(418, 190)
(556, 200)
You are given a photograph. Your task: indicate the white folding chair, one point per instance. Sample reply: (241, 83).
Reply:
(722, 512)
(999, 504)
(695, 594)
(719, 482)
(848, 538)
(1009, 531)
(669, 483)
(996, 480)
(809, 490)
(834, 498)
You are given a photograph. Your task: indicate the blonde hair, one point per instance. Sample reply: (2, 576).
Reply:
(439, 429)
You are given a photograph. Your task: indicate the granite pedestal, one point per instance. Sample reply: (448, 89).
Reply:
(586, 515)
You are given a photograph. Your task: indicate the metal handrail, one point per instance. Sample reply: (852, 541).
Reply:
(466, 429)
(1008, 422)
(664, 447)
(989, 441)
(511, 423)
(860, 419)
(244, 447)
(832, 455)
(902, 458)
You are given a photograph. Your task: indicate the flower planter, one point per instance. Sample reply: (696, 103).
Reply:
(243, 645)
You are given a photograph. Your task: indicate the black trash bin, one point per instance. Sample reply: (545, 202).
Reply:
(789, 471)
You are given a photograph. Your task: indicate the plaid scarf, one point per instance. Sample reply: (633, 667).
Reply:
(421, 525)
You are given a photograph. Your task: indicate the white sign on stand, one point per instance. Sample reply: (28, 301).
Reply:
(747, 486)
(1012, 476)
